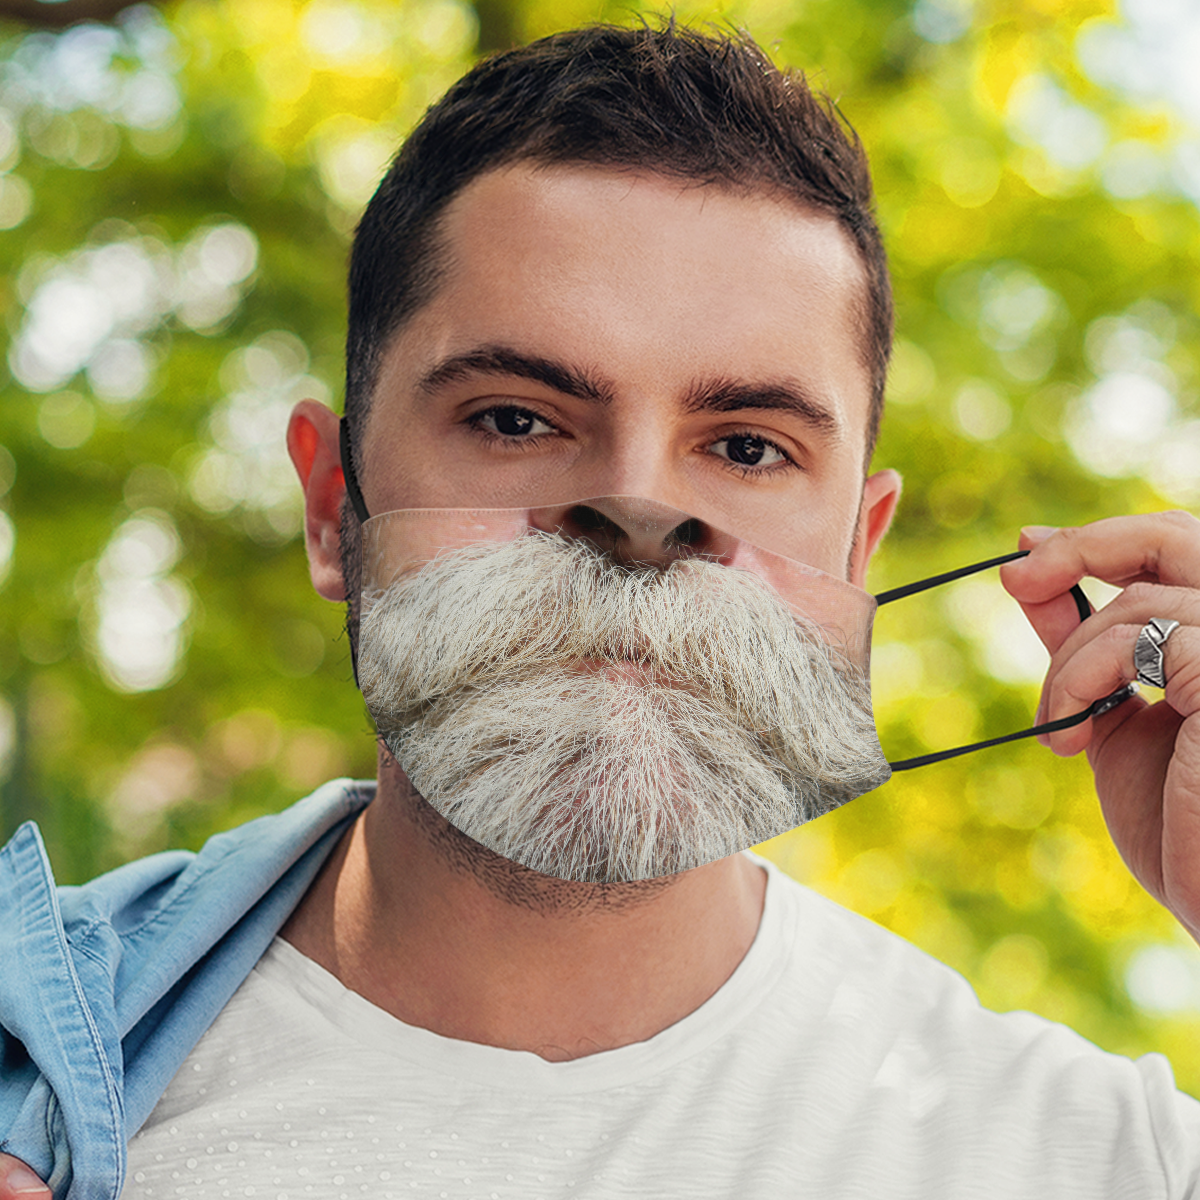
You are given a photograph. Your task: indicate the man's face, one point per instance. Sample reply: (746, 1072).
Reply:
(598, 704)
(603, 333)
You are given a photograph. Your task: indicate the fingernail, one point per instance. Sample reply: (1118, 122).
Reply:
(22, 1181)
(1039, 533)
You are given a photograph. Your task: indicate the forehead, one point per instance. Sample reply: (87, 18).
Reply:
(649, 279)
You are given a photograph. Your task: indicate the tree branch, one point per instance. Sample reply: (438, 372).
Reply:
(60, 15)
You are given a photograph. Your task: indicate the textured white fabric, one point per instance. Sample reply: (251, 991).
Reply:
(838, 1061)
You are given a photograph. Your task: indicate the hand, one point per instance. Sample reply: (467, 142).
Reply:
(1145, 757)
(18, 1182)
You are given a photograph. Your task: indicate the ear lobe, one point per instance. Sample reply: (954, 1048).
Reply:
(312, 442)
(881, 494)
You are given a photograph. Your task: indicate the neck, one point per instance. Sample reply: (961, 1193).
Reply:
(443, 934)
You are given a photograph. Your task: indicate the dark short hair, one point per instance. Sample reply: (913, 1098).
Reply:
(711, 108)
(705, 107)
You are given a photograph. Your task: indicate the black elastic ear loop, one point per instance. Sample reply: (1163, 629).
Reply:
(352, 489)
(1095, 709)
(356, 498)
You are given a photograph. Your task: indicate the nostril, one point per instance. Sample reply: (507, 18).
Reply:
(686, 533)
(588, 518)
(637, 531)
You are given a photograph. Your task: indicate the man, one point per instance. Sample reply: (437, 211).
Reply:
(621, 267)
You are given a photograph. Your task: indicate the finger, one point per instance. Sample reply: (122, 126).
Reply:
(1104, 664)
(1181, 666)
(1054, 621)
(17, 1179)
(1157, 547)
(1134, 606)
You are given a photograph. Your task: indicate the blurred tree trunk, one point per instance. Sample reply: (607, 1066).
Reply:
(497, 25)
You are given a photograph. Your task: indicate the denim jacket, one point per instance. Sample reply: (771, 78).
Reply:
(106, 988)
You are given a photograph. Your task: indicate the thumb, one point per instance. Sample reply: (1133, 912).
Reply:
(18, 1182)
(1053, 620)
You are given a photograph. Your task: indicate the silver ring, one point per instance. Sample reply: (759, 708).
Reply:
(1148, 652)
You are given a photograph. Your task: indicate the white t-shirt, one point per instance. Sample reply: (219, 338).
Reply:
(837, 1062)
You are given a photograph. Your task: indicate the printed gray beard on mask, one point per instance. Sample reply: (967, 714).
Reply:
(484, 672)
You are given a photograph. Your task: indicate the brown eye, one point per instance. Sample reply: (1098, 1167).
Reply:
(509, 421)
(749, 450)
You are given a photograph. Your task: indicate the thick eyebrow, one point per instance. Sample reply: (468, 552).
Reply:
(714, 395)
(728, 395)
(501, 360)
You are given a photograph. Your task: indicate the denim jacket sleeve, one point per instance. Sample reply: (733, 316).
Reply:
(105, 988)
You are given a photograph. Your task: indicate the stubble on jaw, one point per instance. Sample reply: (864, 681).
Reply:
(509, 881)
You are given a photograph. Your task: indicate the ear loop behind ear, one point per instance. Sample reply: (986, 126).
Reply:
(1095, 709)
(349, 475)
(356, 498)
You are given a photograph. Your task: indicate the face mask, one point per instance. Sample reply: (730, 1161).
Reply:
(616, 689)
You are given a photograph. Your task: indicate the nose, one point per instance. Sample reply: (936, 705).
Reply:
(637, 531)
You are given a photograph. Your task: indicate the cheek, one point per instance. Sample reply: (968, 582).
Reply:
(821, 527)
(418, 467)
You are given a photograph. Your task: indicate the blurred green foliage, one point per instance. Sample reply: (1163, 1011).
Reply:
(177, 191)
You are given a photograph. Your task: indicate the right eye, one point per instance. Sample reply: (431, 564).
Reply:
(511, 422)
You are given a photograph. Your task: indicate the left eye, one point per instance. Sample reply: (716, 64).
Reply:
(512, 422)
(747, 450)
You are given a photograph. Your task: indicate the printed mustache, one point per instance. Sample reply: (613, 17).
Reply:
(604, 722)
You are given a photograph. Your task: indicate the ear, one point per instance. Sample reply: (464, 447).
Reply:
(312, 442)
(881, 494)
